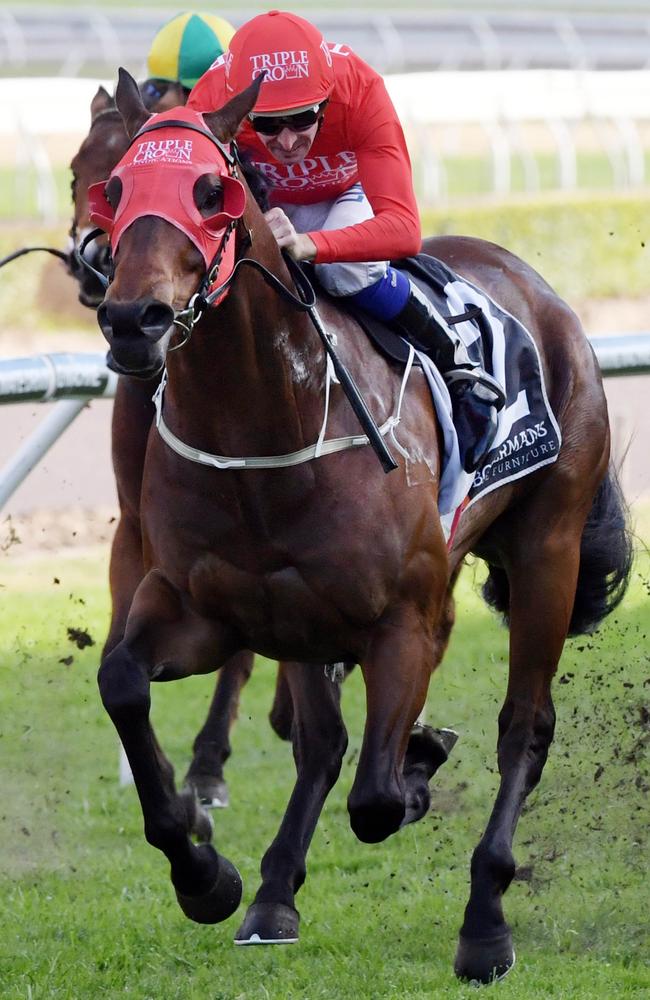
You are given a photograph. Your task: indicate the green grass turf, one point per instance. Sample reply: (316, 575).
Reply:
(87, 908)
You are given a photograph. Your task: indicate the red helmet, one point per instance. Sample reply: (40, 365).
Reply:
(298, 64)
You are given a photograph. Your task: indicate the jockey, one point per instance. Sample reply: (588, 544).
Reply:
(327, 139)
(182, 50)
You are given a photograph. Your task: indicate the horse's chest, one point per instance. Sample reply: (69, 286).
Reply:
(284, 611)
(298, 574)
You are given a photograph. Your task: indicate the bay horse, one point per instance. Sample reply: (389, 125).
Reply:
(330, 561)
(132, 417)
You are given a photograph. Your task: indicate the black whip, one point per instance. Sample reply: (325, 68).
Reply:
(349, 386)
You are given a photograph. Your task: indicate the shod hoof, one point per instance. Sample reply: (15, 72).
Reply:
(212, 793)
(484, 960)
(269, 923)
(429, 748)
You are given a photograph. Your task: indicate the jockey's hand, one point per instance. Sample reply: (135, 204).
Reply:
(298, 245)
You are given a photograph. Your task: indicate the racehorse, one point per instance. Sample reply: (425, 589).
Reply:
(330, 560)
(133, 414)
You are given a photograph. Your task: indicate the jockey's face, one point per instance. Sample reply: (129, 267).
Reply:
(289, 146)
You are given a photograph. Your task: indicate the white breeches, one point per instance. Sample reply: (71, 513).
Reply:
(348, 209)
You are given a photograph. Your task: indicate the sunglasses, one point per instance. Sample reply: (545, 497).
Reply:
(300, 122)
(153, 90)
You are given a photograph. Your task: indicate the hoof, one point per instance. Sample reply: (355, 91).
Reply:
(484, 960)
(212, 793)
(429, 748)
(269, 923)
(220, 901)
(376, 821)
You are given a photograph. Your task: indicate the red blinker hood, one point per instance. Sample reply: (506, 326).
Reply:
(158, 173)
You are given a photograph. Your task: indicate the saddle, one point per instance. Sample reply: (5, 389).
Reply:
(423, 271)
(528, 435)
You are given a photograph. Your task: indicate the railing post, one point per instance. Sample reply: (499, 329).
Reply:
(37, 445)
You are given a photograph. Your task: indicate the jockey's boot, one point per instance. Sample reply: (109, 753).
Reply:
(476, 397)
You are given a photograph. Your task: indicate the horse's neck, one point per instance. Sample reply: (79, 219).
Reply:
(252, 377)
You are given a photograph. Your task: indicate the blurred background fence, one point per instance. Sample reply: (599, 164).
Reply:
(575, 34)
(496, 98)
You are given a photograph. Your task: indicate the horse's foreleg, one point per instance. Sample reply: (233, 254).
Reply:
(125, 574)
(212, 746)
(542, 581)
(165, 638)
(396, 671)
(133, 413)
(319, 742)
(428, 748)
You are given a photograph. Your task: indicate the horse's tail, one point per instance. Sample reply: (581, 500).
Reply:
(606, 555)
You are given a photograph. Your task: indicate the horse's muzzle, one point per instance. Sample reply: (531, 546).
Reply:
(148, 318)
(137, 333)
(140, 373)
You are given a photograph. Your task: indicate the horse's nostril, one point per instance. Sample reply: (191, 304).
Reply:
(155, 320)
(146, 319)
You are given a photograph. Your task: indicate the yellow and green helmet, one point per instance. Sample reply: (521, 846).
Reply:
(186, 47)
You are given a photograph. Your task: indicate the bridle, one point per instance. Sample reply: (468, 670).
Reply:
(185, 319)
(207, 295)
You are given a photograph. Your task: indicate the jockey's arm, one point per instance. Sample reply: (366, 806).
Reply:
(386, 178)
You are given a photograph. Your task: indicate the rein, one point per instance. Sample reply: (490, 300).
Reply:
(20, 253)
(305, 301)
(79, 257)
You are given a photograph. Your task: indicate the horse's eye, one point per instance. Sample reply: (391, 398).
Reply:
(208, 195)
(113, 192)
(73, 185)
(213, 199)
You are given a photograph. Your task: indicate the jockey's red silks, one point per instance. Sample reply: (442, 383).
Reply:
(158, 173)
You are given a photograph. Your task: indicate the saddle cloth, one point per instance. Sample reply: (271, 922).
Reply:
(528, 436)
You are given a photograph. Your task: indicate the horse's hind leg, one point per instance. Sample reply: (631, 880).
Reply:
(212, 745)
(166, 639)
(281, 714)
(319, 742)
(542, 567)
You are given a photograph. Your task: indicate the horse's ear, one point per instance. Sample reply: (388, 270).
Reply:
(225, 122)
(129, 103)
(102, 101)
